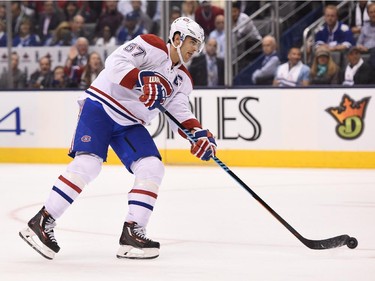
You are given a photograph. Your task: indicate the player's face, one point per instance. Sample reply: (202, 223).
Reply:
(189, 47)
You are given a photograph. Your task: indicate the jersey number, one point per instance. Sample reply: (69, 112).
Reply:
(17, 129)
(138, 50)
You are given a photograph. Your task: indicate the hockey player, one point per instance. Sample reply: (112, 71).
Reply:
(138, 76)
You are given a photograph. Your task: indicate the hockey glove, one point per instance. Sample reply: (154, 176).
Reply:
(155, 88)
(205, 145)
(153, 95)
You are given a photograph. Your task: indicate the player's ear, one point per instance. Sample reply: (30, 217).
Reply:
(176, 39)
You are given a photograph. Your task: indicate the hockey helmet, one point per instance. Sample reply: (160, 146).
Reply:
(187, 27)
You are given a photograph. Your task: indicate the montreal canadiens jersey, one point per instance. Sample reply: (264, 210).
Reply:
(115, 87)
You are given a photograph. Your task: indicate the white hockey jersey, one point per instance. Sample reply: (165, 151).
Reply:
(115, 88)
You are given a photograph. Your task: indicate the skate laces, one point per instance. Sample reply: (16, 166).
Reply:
(48, 228)
(140, 232)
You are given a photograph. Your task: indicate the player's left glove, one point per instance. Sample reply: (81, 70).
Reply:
(155, 88)
(205, 145)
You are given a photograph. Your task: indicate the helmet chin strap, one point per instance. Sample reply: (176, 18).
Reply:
(180, 55)
(178, 48)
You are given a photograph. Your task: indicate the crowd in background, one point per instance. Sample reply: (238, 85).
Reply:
(335, 55)
(341, 54)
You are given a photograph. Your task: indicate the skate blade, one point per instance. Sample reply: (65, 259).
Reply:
(129, 252)
(27, 235)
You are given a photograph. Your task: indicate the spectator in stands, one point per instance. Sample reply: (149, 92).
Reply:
(70, 10)
(357, 71)
(42, 78)
(334, 34)
(130, 29)
(219, 34)
(266, 73)
(154, 12)
(188, 8)
(77, 30)
(49, 19)
(205, 15)
(77, 59)
(3, 35)
(91, 70)
(106, 38)
(359, 17)
(144, 19)
(28, 8)
(91, 11)
(366, 39)
(18, 16)
(175, 14)
(88, 9)
(19, 77)
(238, 19)
(61, 36)
(109, 17)
(2, 12)
(293, 72)
(25, 37)
(207, 69)
(244, 28)
(125, 6)
(60, 80)
(324, 70)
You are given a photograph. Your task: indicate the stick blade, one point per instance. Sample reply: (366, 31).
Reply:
(329, 243)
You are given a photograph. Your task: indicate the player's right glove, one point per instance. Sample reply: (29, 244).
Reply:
(205, 145)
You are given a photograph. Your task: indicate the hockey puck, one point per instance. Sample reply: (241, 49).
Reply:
(352, 243)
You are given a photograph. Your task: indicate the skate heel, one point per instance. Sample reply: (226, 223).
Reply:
(28, 235)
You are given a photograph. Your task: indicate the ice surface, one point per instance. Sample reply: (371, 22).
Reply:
(208, 226)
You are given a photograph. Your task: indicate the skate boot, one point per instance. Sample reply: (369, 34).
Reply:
(41, 225)
(135, 245)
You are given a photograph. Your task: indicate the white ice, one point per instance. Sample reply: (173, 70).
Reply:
(209, 227)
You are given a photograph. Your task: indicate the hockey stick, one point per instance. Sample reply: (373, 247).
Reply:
(329, 243)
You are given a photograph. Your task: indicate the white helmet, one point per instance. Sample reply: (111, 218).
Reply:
(186, 27)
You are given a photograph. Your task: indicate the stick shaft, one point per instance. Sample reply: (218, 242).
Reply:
(312, 244)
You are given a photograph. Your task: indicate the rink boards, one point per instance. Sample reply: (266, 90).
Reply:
(253, 127)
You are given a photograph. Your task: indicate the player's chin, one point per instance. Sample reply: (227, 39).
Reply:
(188, 57)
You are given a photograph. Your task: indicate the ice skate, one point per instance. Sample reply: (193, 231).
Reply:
(41, 226)
(135, 245)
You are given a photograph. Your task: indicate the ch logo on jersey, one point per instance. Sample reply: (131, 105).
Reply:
(152, 77)
(86, 138)
(178, 80)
